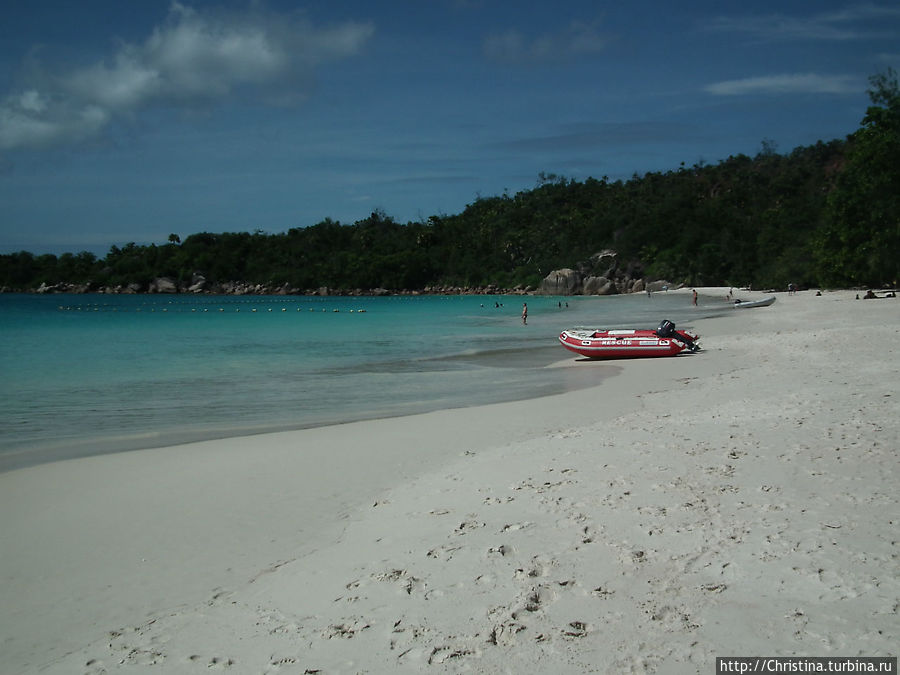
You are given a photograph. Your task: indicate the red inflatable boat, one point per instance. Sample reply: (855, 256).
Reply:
(629, 343)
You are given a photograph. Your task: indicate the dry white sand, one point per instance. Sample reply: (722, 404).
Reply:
(738, 501)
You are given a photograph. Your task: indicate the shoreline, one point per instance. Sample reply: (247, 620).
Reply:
(68, 444)
(702, 503)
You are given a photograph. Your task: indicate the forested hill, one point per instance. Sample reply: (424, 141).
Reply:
(824, 215)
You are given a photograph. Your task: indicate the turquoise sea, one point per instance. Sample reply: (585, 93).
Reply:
(89, 374)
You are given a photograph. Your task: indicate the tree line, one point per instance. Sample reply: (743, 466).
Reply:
(825, 215)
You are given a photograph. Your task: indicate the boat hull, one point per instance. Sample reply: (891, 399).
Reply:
(620, 344)
(750, 304)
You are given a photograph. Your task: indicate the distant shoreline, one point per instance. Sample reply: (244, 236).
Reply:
(237, 288)
(241, 288)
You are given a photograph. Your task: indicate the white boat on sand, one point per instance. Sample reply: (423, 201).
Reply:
(748, 304)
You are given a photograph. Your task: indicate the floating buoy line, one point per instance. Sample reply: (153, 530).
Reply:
(187, 307)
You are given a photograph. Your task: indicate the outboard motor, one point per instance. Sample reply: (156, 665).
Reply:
(667, 330)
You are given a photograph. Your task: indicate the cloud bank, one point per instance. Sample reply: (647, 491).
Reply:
(512, 46)
(193, 59)
(800, 83)
(856, 22)
(600, 135)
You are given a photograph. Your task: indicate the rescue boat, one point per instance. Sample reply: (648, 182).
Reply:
(629, 342)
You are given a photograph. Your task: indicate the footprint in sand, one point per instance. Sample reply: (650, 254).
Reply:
(541, 487)
(534, 601)
(576, 629)
(589, 534)
(219, 597)
(276, 623)
(447, 654)
(503, 550)
(220, 663)
(538, 568)
(673, 619)
(444, 552)
(95, 667)
(406, 637)
(504, 634)
(346, 630)
(276, 663)
(403, 579)
(468, 526)
(139, 645)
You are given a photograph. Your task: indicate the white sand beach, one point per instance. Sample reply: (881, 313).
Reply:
(739, 501)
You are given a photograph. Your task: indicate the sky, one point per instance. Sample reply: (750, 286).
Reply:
(130, 121)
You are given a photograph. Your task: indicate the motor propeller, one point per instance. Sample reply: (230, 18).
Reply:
(666, 329)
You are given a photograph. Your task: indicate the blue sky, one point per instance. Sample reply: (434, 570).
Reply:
(128, 121)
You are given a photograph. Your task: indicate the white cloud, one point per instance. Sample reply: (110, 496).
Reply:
(127, 84)
(194, 58)
(506, 46)
(32, 101)
(24, 124)
(863, 12)
(18, 127)
(777, 26)
(855, 22)
(799, 83)
(511, 46)
(198, 57)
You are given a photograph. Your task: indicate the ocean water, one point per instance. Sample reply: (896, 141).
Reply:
(89, 374)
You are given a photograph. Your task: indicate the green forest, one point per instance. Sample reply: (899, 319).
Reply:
(826, 215)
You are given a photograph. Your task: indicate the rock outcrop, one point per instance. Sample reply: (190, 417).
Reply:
(163, 285)
(602, 274)
(562, 282)
(198, 283)
(599, 286)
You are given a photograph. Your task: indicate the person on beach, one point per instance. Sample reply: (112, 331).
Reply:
(694, 297)
(524, 313)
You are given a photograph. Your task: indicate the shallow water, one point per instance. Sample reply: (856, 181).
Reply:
(86, 374)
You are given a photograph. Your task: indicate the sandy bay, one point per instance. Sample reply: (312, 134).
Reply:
(733, 502)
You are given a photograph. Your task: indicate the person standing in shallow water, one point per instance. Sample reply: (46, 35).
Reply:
(524, 313)
(694, 300)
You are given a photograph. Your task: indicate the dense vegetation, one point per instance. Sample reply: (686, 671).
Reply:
(824, 215)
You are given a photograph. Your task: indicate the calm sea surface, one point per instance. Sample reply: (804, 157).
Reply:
(87, 374)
